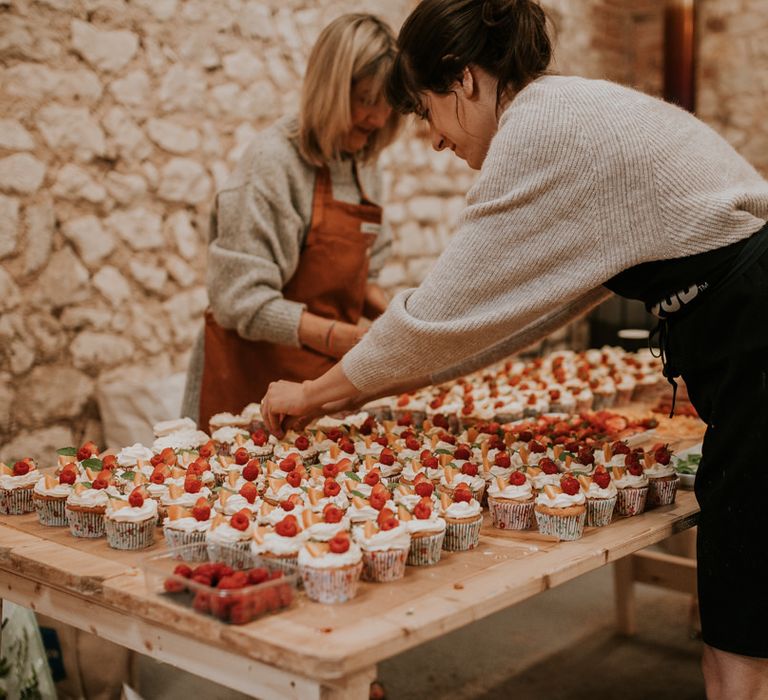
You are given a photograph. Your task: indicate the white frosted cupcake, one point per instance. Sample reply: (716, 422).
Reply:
(130, 524)
(16, 487)
(280, 545)
(511, 502)
(385, 546)
(427, 531)
(662, 478)
(50, 495)
(228, 536)
(463, 519)
(561, 511)
(632, 486)
(331, 570)
(85, 508)
(188, 527)
(601, 494)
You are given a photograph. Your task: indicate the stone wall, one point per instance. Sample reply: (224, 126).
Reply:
(118, 120)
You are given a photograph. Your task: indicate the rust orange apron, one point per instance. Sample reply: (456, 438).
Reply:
(330, 279)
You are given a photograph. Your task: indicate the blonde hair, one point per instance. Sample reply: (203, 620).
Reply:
(351, 48)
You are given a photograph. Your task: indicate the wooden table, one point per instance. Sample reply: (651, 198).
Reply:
(309, 650)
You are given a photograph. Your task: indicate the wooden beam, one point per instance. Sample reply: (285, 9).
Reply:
(667, 570)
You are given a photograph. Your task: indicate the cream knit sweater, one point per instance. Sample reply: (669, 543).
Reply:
(584, 179)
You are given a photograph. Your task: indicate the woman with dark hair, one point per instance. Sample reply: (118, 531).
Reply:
(587, 188)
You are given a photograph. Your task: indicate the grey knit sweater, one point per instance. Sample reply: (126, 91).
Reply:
(258, 227)
(584, 179)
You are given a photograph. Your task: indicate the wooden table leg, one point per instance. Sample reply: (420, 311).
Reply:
(624, 591)
(354, 687)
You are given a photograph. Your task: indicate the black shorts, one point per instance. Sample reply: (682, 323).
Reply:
(732, 490)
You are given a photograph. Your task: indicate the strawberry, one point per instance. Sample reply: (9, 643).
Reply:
(517, 478)
(338, 544)
(288, 464)
(287, 505)
(569, 485)
(462, 452)
(249, 492)
(169, 456)
(241, 456)
(155, 460)
(109, 462)
(240, 520)
(68, 476)
(201, 511)
(252, 470)
(602, 479)
(288, 526)
(662, 454)
(620, 448)
(183, 570)
(423, 509)
(347, 446)
(257, 576)
(332, 514)
(497, 443)
(535, 447)
(407, 434)
(372, 478)
(554, 394)
(22, 468)
(207, 451)
(331, 488)
(430, 462)
(469, 469)
(387, 457)
(502, 460)
(585, 455)
(192, 484)
(234, 581)
(548, 466)
(157, 477)
(378, 499)
(136, 499)
(294, 478)
(301, 443)
(425, 489)
(462, 494)
(202, 579)
(87, 451)
(100, 483)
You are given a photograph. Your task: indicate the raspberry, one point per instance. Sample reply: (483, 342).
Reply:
(585, 456)
(412, 443)
(602, 479)
(172, 585)
(288, 464)
(423, 509)
(196, 468)
(662, 455)
(517, 478)
(241, 456)
(192, 484)
(462, 452)
(332, 514)
(86, 451)
(548, 466)
(430, 462)
(257, 576)
(249, 492)
(155, 460)
(201, 512)
(636, 469)
(99, 483)
(385, 515)
(294, 478)
(572, 446)
(535, 447)
(287, 505)
(387, 457)
(424, 489)
(169, 456)
(68, 476)
(157, 477)
(240, 521)
(331, 488)
(347, 446)
(252, 470)
(372, 478)
(620, 448)
(569, 485)
(21, 468)
(525, 436)
(405, 419)
(502, 460)
(446, 437)
(330, 471)
(259, 438)
(335, 434)
(183, 570)
(382, 440)
(109, 462)
(462, 495)
(378, 499)
(339, 545)
(136, 499)
(287, 527)
(207, 451)
(469, 469)
(440, 421)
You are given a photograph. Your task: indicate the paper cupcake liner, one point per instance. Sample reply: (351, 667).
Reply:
(568, 527)
(584, 404)
(51, 512)
(511, 515)
(16, 501)
(180, 538)
(330, 586)
(235, 554)
(125, 535)
(623, 396)
(662, 493)
(384, 566)
(631, 501)
(288, 565)
(603, 401)
(600, 511)
(84, 523)
(426, 550)
(462, 536)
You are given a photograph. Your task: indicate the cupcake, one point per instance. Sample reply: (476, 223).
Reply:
(130, 524)
(361, 510)
(272, 515)
(385, 545)
(632, 485)
(280, 546)
(463, 519)
(662, 477)
(427, 531)
(467, 475)
(183, 526)
(85, 508)
(601, 494)
(246, 498)
(561, 511)
(321, 527)
(50, 496)
(546, 472)
(330, 571)
(227, 536)
(511, 502)
(16, 486)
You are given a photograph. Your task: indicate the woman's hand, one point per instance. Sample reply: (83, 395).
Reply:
(283, 399)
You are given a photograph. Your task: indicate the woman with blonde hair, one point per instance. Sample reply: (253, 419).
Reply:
(296, 236)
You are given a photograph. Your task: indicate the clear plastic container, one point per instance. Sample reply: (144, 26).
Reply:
(252, 586)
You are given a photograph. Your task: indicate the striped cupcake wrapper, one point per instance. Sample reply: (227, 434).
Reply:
(662, 493)
(462, 536)
(288, 565)
(426, 550)
(16, 501)
(180, 538)
(237, 555)
(569, 527)
(329, 586)
(85, 523)
(129, 535)
(511, 515)
(384, 566)
(600, 511)
(51, 513)
(631, 501)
